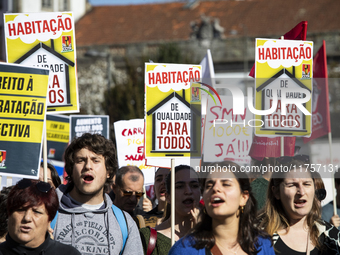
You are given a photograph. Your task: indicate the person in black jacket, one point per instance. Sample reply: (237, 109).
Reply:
(31, 206)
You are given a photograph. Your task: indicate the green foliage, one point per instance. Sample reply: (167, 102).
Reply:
(125, 100)
(169, 53)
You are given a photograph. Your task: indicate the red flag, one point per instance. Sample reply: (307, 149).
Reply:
(271, 147)
(299, 32)
(321, 121)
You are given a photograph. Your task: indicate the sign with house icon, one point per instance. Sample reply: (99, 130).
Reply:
(46, 40)
(172, 124)
(283, 87)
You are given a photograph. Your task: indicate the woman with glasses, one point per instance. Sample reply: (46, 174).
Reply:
(187, 197)
(227, 222)
(31, 206)
(292, 213)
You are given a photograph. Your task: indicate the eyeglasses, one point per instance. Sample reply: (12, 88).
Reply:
(287, 159)
(320, 194)
(130, 193)
(43, 187)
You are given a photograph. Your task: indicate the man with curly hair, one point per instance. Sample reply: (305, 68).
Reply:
(86, 218)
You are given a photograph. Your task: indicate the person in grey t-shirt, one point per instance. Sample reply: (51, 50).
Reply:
(85, 217)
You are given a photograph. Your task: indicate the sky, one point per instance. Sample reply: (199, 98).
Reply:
(128, 2)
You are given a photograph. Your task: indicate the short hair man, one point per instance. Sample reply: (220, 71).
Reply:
(128, 188)
(86, 218)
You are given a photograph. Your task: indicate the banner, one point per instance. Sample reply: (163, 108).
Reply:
(129, 136)
(46, 40)
(320, 115)
(227, 135)
(57, 134)
(283, 72)
(94, 124)
(22, 112)
(168, 113)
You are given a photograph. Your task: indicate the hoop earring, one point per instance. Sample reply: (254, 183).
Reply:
(204, 211)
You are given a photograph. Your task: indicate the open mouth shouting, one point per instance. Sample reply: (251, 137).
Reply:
(25, 229)
(216, 201)
(162, 192)
(88, 178)
(300, 203)
(189, 202)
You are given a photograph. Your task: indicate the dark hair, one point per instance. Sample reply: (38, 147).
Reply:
(124, 170)
(167, 211)
(161, 168)
(3, 211)
(54, 174)
(337, 177)
(248, 232)
(97, 144)
(30, 197)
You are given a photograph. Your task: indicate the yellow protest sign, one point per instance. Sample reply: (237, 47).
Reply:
(57, 134)
(46, 40)
(22, 112)
(169, 115)
(283, 72)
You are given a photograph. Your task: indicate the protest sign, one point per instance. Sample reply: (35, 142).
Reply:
(46, 40)
(168, 118)
(227, 135)
(94, 124)
(23, 93)
(283, 71)
(57, 134)
(130, 147)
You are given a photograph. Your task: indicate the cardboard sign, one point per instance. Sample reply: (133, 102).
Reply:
(227, 136)
(283, 71)
(94, 124)
(130, 147)
(57, 134)
(168, 97)
(22, 109)
(46, 40)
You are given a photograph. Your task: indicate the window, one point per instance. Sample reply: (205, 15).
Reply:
(64, 5)
(46, 3)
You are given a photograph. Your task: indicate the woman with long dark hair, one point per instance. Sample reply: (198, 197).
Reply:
(227, 222)
(187, 196)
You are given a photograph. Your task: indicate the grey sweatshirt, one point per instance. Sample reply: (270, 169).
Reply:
(93, 231)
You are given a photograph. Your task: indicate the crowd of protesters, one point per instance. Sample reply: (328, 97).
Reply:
(222, 212)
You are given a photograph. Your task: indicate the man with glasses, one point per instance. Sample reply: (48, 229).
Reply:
(86, 217)
(128, 188)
